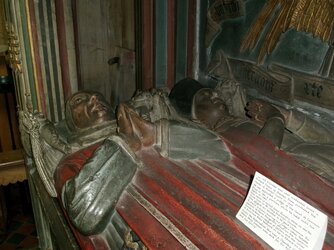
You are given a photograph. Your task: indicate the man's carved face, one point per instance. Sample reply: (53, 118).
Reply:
(208, 107)
(89, 109)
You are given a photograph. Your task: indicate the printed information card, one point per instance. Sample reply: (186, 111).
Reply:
(280, 218)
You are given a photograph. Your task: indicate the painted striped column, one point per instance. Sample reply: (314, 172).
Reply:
(47, 72)
(167, 33)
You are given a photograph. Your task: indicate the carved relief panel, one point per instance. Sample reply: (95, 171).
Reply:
(280, 50)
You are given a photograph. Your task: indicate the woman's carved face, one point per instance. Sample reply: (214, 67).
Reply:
(89, 109)
(208, 107)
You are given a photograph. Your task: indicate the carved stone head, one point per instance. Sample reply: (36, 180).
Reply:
(208, 107)
(86, 109)
(89, 118)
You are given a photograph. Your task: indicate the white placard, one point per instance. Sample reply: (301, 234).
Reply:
(280, 218)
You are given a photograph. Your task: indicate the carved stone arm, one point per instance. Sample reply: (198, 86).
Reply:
(307, 128)
(91, 196)
(270, 118)
(273, 130)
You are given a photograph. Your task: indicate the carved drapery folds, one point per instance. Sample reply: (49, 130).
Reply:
(31, 125)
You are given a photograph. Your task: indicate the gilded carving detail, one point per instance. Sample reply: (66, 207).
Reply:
(311, 16)
(14, 50)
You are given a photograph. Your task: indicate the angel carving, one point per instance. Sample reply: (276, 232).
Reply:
(311, 16)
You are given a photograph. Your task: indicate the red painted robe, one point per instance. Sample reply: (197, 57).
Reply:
(173, 204)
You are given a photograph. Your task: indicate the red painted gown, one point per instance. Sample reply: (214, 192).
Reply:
(173, 203)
